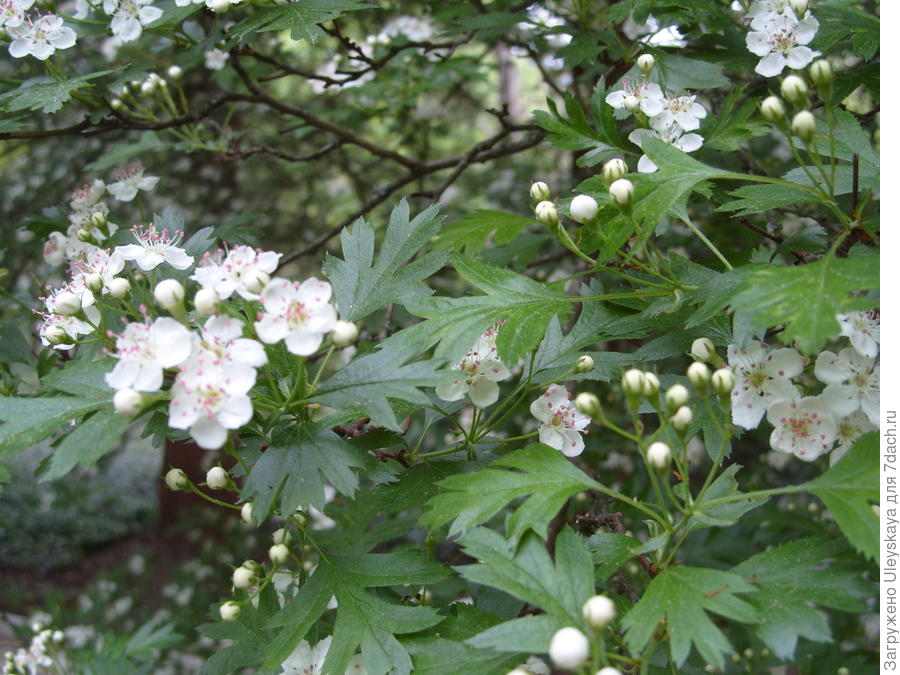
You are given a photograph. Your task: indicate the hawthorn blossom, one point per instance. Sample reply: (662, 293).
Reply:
(848, 432)
(215, 59)
(864, 331)
(853, 383)
(762, 11)
(761, 378)
(87, 195)
(61, 332)
(144, 350)
(483, 369)
(155, 247)
(671, 134)
(681, 110)
(12, 12)
(129, 18)
(40, 37)
(131, 178)
(55, 248)
(561, 423)
(221, 336)
(307, 659)
(100, 262)
(299, 314)
(804, 427)
(649, 95)
(781, 40)
(235, 271)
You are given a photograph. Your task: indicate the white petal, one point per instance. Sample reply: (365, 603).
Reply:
(182, 412)
(177, 258)
(484, 392)
(784, 363)
(239, 378)
(758, 43)
(799, 57)
(302, 343)
(149, 260)
(452, 391)
(747, 408)
(616, 98)
(771, 65)
(646, 165)
(841, 399)
(245, 350)
(573, 444)
(20, 47)
(689, 142)
(149, 377)
(236, 412)
(271, 328)
(806, 29)
(550, 436)
(208, 433)
(173, 342)
(831, 369)
(122, 375)
(148, 15)
(65, 38)
(652, 106)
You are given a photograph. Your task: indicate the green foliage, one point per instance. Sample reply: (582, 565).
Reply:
(29, 420)
(95, 436)
(44, 94)
(574, 132)
(249, 634)
(760, 198)
(301, 18)
(471, 232)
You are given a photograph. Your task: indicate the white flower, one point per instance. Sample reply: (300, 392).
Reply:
(129, 18)
(569, 648)
(131, 179)
(683, 111)
(55, 248)
(100, 262)
(562, 424)
(209, 397)
(309, 660)
(483, 370)
(761, 379)
(781, 41)
(649, 96)
(864, 331)
(60, 332)
(87, 195)
(848, 432)
(221, 336)
(144, 350)
(155, 247)
(235, 271)
(805, 427)
(763, 11)
(215, 59)
(299, 314)
(671, 134)
(853, 383)
(12, 12)
(40, 38)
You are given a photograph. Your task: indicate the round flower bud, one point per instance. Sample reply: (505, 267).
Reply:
(632, 103)
(116, 104)
(175, 72)
(169, 294)
(242, 577)
(220, 6)
(651, 385)
(703, 349)
(794, 89)
(519, 671)
(247, 513)
(722, 381)
(772, 109)
(98, 219)
(820, 73)
(609, 670)
(128, 402)
(588, 404)
(804, 125)
(676, 396)
(682, 419)
(622, 192)
(217, 478)
(569, 648)
(229, 611)
(799, 7)
(539, 192)
(546, 213)
(57, 335)
(176, 479)
(698, 375)
(206, 301)
(344, 333)
(645, 63)
(119, 287)
(584, 364)
(599, 611)
(94, 283)
(659, 455)
(256, 281)
(148, 87)
(279, 553)
(614, 169)
(633, 382)
(583, 209)
(281, 535)
(85, 236)
(67, 303)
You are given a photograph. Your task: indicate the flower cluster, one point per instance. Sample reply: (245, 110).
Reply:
(39, 35)
(482, 368)
(241, 269)
(41, 654)
(779, 36)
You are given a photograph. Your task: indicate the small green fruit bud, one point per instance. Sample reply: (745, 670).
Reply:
(622, 192)
(279, 553)
(651, 385)
(632, 104)
(98, 219)
(703, 349)
(698, 374)
(682, 419)
(633, 382)
(217, 478)
(242, 577)
(119, 287)
(169, 294)
(67, 303)
(256, 281)
(799, 7)
(206, 301)
(344, 333)
(599, 611)
(128, 403)
(281, 536)
(722, 382)
(175, 72)
(820, 73)
(676, 396)
(247, 513)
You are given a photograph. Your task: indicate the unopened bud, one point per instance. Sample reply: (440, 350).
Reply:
(98, 219)
(676, 396)
(67, 303)
(632, 103)
(94, 283)
(722, 382)
(614, 169)
(608, 670)
(569, 648)
(583, 209)
(279, 553)
(229, 611)
(698, 375)
(622, 192)
(804, 125)
(344, 333)
(540, 192)
(794, 89)
(599, 611)
(84, 235)
(175, 72)
(219, 6)
(217, 478)
(169, 294)
(584, 364)
(588, 404)
(256, 281)
(206, 301)
(281, 536)
(247, 514)
(57, 335)
(820, 72)
(119, 287)
(651, 385)
(633, 382)
(116, 104)
(772, 109)
(703, 349)
(148, 87)
(659, 455)
(547, 214)
(645, 63)
(799, 7)
(242, 577)
(682, 419)
(176, 479)
(128, 402)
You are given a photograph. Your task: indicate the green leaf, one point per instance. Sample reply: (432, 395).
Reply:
(296, 464)
(732, 126)
(301, 17)
(44, 94)
(29, 420)
(610, 552)
(790, 577)
(542, 474)
(14, 348)
(849, 488)
(723, 515)
(523, 634)
(760, 198)
(248, 636)
(81, 378)
(682, 596)
(92, 439)
(362, 286)
(679, 72)
(807, 298)
(575, 132)
(471, 232)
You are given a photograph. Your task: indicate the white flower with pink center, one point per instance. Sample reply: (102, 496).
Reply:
(299, 314)
(761, 378)
(671, 134)
(683, 111)
(72, 327)
(155, 247)
(222, 336)
(805, 428)
(649, 95)
(130, 179)
(233, 271)
(144, 350)
(483, 369)
(763, 11)
(128, 20)
(561, 423)
(55, 248)
(848, 432)
(40, 37)
(853, 383)
(864, 331)
(12, 12)
(781, 40)
(87, 195)
(209, 397)
(100, 262)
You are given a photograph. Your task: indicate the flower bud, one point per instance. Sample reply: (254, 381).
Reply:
(281, 535)
(794, 89)
(569, 648)
(633, 382)
(799, 7)
(169, 294)
(547, 214)
(820, 73)
(588, 404)
(519, 671)
(659, 455)
(98, 219)
(247, 513)
(344, 333)
(57, 335)
(614, 169)
(645, 63)
(176, 479)
(128, 402)
(722, 381)
(94, 283)
(583, 209)
(229, 611)
(608, 670)
(682, 419)
(622, 192)
(67, 303)
(242, 577)
(148, 87)
(220, 6)
(632, 103)
(698, 375)
(206, 301)
(256, 281)
(703, 349)
(175, 72)
(772, 109)
(85, 236)
(651, 385)
(540, 192)
(599, 611)
(217, 478)
(116, 104)
(584, 364)
(676, 396)
(804, 125)
(279, 553)
(119, 287)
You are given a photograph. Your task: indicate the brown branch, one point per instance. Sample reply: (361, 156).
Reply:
(236, 153)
